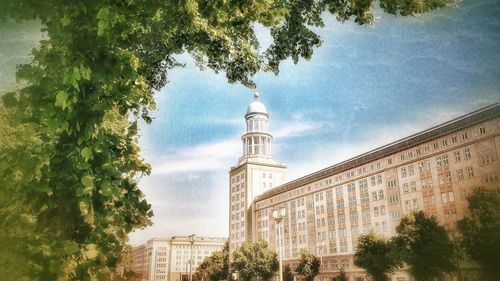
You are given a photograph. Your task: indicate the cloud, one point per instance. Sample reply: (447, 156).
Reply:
(204, 157)
(217, 156)
(294, 128)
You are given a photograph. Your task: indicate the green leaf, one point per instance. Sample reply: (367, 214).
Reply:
(76, 73)
(61, 98)
(70, 247)
(86, 153)
(91, 251)
(88, 181)
(65, 21)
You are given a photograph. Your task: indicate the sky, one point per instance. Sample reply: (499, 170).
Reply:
(365, 87)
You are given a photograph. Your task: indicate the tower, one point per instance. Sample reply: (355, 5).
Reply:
(256, 172)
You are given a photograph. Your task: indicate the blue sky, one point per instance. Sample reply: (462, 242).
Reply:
(365, 87)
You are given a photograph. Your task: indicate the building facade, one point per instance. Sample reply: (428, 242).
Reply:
(256, 172)
(172, 259)
(327, 210)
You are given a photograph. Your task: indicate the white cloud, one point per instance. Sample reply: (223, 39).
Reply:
(205, 157)
(217, 156)
(294, 128)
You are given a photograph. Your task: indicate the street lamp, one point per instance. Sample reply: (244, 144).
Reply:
(320, 250)
(278, 216)
(191, 240)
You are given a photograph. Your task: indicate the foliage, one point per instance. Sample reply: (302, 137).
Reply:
(308, 265)
(69, 158)
(375, 254)
(287, 273)
(480, 229)
(424, 246)
(342, 275)
(216, 266)
(255, 260)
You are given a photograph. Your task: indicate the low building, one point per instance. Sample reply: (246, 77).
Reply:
(172, 259)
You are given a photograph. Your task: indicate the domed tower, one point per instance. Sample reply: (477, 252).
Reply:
(257, 141)
(256, 172)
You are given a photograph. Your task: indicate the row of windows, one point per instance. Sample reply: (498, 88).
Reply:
(238, 177)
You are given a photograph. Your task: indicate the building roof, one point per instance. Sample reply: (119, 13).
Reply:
(453, 125)
(256, 106)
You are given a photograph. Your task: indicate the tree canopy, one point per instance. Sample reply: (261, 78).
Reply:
(480, 230)
(255, 260)
(374, 253)
(308, 265)
(69, 157)
(424, 246)
(216, 266)
(288, 273)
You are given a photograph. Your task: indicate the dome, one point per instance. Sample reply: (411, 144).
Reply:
(256, 107)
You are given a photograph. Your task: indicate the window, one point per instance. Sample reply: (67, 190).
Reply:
(464, 136)
(391, 184)
(393, 199)
(424, 166)
(447, 197)
(380, 194)
(379, 179)
(410, 170)
(372, 181)
(454, 139)
(375, 211)
(456, 156)
(435, 145)
(389, 161)
(403, 172)
(395, 215)
(444, 142)
(406, 189)
(463, 193)
(413, 186)
(407, 205)
(460, 174)
(487, 157)
(470, 172)
(374, 196)
(466, 153)
(382, 210)
(491, 177)
(482, 130)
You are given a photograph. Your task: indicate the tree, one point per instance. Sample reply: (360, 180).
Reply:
(308, 265)
(255, 260)
(342, 275)
(70, 193)
(424, 246)
(480, 229)
(216, 266)
(375, 254)
(287, 273)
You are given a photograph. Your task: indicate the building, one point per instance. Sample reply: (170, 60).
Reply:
(433, 171)
(169, 259)
(257, 172)
(138, 262)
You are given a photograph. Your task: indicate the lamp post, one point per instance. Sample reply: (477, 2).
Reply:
(278, 216)
(320, 250)
(191, 240)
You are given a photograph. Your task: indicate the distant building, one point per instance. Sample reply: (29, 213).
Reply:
(433, 171)
(168, 259)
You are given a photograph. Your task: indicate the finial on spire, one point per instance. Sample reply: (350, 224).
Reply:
(256, 96)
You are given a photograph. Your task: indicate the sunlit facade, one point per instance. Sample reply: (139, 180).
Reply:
(169, 259)
(327, 210)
